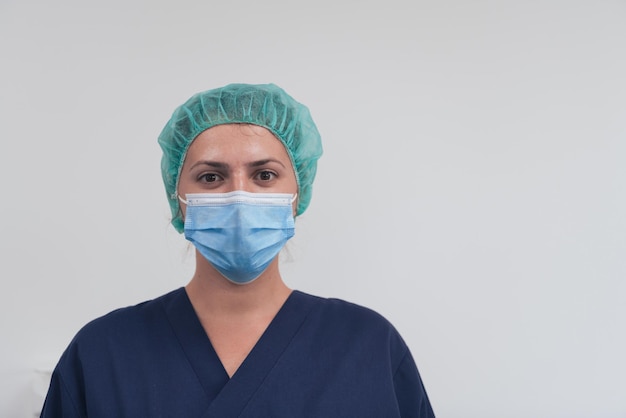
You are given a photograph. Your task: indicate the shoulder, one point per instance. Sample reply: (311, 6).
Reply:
(124, 323)
(345, 311)
(350, 332)
(351, 321)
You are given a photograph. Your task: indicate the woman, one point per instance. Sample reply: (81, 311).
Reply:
(238, 166)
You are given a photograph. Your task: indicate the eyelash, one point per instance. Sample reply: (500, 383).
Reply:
(271, 173)
(203, 177)
(214, 177)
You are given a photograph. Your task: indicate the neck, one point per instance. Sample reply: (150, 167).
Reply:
(213, 295)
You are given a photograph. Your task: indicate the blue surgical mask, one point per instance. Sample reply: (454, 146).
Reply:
(239, 233)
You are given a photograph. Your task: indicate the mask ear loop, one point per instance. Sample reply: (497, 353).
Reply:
(295, 211)
(180, 210)
(181, 199)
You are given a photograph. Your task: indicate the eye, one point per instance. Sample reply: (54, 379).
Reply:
(266, 175)
(209, 178)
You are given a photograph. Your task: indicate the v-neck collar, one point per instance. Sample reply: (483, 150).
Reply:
(229, 396)
(195, 344)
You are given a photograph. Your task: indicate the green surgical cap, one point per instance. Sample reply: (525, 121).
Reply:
(265, 105)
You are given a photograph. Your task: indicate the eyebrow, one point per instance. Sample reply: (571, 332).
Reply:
(209, 163)
(219, 165)
(264, 162)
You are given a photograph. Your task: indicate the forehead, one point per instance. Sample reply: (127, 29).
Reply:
(236, 141)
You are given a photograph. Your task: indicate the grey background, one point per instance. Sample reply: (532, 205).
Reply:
(472, 188)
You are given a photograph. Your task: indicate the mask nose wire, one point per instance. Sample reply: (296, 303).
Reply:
(293, 199)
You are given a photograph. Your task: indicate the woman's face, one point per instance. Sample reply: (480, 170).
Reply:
(233, 157)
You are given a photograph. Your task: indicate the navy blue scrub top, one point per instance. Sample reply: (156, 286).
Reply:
(318, 358)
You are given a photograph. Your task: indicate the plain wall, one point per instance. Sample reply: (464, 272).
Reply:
(472, 190)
